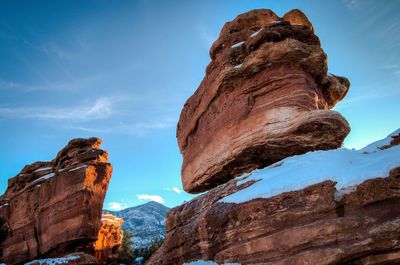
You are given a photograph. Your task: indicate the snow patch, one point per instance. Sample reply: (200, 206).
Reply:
(83, 166)
(47, 176)
(238, 66)
(54, 261)
(237, 45)
(275, 22)
(339, 194)
(376, 146)
(207, 262)
(256, 33)
(347, 167)
(42, 169)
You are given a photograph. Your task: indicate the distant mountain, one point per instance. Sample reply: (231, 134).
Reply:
(146, 222)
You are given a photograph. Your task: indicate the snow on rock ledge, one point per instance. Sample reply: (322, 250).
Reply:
(293, 213)
(73, 259)
(346, 167)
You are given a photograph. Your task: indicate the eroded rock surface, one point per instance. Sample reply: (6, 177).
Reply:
(109, 239)
(319, 224)
(266, 96)
(54, 208)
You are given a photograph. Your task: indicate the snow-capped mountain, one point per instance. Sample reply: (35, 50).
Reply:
(146, 222)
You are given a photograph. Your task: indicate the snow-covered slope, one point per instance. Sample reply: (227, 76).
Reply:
(146, 222)
(348, 167)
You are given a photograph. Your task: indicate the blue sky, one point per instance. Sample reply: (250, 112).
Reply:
(122, 70)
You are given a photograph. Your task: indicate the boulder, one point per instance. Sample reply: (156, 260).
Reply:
(53, 208)
(109, 239)
(340, 207)
(266, 95)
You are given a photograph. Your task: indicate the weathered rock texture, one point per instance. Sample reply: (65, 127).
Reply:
(266, 96)
(308, 226)
(109, 239)
(54, 208)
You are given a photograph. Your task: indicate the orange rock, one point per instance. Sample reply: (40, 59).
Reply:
(54, 208)
(296, 17)
(266, 95)
(109, 239)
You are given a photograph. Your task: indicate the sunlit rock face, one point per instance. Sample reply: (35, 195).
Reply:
(54, 208)
(266, 95)
(109, 239)
(346, 211)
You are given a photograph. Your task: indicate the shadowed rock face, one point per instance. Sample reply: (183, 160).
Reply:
(300, 227)
(54, 208)
(109, 239)
(266, 96)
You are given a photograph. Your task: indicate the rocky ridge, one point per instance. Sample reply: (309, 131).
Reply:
(328, 222)
(263, 113)
(146, 222)
(53, 208)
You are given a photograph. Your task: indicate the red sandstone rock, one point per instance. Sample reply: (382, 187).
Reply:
(296, 17)
(109, 239)
(266, 96)
(315, 225)
(54, 208)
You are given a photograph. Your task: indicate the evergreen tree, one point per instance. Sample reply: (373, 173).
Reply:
(126, 255)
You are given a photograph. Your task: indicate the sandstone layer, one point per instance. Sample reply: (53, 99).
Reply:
(318, 224)
(266, 95)
(109, 239)
(54, 208)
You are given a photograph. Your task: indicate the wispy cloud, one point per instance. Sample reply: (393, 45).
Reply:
(100, 109)
(206, 36)
(136, 129)
(394, 68)
(174, 189)
(351, 4)
(116, 206)
(148, 197)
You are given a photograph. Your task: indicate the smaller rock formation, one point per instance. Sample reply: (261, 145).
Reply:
(109, 239)
(327, 207)
(53, 208)
(266, 95)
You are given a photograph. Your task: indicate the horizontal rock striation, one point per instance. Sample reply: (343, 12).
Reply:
(266, 96)
(54, 208)
(318, 224)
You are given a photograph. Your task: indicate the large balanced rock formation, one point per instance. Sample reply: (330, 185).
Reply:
(109, 239)
(326, 207)
(54, 208)
(266, 96)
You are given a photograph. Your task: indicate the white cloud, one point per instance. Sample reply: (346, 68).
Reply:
(116, 206)
(100, 109)
(351, 4)
(136, 129)
(174, 189)
(148, 197)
